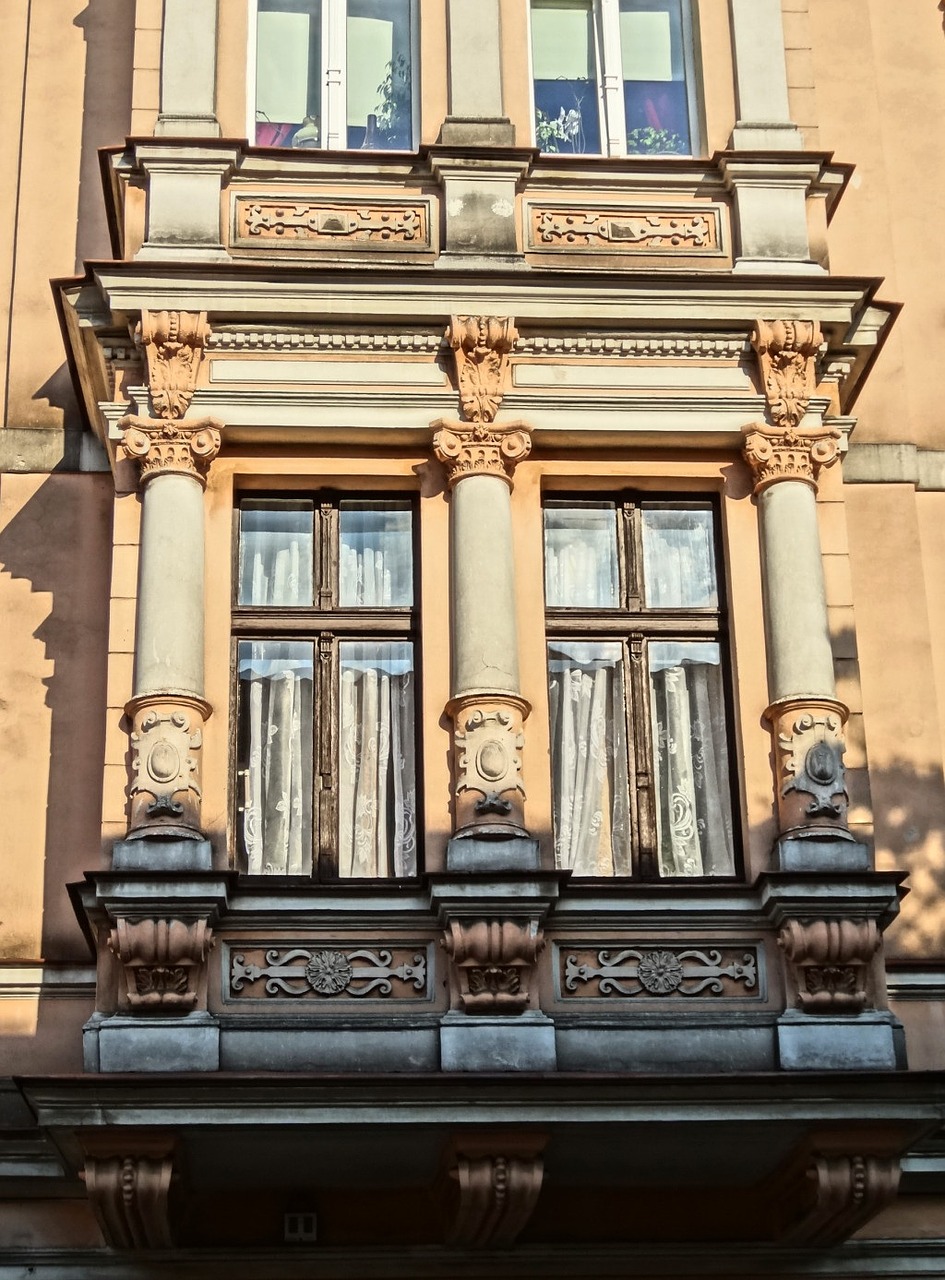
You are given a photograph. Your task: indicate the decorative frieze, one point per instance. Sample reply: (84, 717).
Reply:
(331, 972)
(808, 736)
(618, 229)
(488, 738)
(777, 454)
(660, 972)
(481, 346)
(828, 963)
(129, 1189)
(330, 224)
(163, 961)
(492, 961)
(243, 338)
(166, 749)
(713, 346)
(498, 1178)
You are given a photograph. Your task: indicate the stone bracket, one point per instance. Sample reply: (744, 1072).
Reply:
(163, 962)
(128, 1179)
(828, 963)
(498, 1178)
(832, 1187)
(492, 961)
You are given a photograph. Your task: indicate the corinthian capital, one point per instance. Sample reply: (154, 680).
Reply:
(173, 343)
(786, 351)
(171, 448)
(481, 346)
(775, 454)
(467, 449)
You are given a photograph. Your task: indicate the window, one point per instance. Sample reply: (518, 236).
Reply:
(325, 624)
(334, 73)
(640, 765)
(612, 76)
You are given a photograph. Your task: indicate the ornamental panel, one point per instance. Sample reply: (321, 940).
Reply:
(305, 224)
(658, 970)
(328, 971)
(679, 230)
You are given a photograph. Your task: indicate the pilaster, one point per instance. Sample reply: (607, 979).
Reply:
(188, 70)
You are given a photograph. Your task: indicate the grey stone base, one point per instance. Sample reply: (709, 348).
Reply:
(522, 1043)
(822, 852)
(157, 853)
(145, 1043)
(495, 853)
(682, 1050)
(460, 131)
(867, 1042)
(343, 1049)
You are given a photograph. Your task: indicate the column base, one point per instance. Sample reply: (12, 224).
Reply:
(119, 1043)
(821, 850)
(176, 851)
(497, 1043)
(865, 1042)
(492, 853)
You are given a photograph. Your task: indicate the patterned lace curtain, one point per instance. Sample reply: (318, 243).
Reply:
(694, 816)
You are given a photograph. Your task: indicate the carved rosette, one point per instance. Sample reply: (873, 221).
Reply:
(809, 747)
(488, 738)
(166, 743)
(481, 346)
(492, 962)
(164, 447)
(777, 454)
(129, 1189)
(828, 963)
(498, 1178)
(477, 449)
(163, 962)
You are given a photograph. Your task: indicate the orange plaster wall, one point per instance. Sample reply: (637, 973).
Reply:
(54, 552)
(880, 76)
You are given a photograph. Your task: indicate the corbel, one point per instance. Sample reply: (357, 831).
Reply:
(128, 1180)
(498, 1178)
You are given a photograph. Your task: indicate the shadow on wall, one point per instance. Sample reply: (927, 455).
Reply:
(109, 30)
(60, 543)
(909, 817)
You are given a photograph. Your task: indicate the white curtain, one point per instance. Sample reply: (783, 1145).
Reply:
(589, 759)
(694, 818)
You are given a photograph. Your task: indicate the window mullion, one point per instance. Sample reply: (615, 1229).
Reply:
(326, 781)
(641, 760)
(611, 76)
(334, 86)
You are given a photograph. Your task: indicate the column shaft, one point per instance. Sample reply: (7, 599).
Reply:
(188, 69)
(764, 117)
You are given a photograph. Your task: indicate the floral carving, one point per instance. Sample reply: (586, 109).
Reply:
(170, 447)
(166, 742)
(162, 961)
(331, 972)
(492, 960)
(173, 343)
(480, 449)
(323, 225)
(481, 346)
(660, 973)
(626, 230)
(775, 454)
(786, 351)
(487, 744)
(828, 963)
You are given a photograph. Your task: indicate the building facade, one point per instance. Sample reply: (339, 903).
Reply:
(469, 508)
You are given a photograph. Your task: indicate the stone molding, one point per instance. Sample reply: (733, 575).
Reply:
(775, 453)
(492, 961)
(808, 749)
(499, 1179)
(163, 961)
(129, 1188)
(469, 449)
(481, 347)
(488, 739)
(828, 963)
(166, 746)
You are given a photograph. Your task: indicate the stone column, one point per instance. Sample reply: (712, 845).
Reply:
(764, 117)
(168, 709)
(188, 70)
(477, 114)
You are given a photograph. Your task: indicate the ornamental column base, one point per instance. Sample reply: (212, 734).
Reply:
(166, 744)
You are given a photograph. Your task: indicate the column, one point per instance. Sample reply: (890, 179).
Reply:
(477, 115)
(764, 117)
(829, 929)
(188, 70)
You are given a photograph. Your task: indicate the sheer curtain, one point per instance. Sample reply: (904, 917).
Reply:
(694, 818)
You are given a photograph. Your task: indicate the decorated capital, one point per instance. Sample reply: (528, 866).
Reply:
(167, 447)
(776, 453)
(467, 449)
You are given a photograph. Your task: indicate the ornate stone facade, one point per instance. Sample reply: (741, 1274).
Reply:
(481, 346)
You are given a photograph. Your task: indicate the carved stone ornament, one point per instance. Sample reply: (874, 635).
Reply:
(809, 747)
(165, 447)
(481, 346)
(163, 962)
(488, 739)
(129, 1189)
(625, 230)
(786, 351)
(316, 224)
(492, 961)
(166, 742)
(661, 973)
(334, 972)
(498, 1188)
(828, 963)
(478, 449)
(838, 1195)
(777, 454)
(173, 344)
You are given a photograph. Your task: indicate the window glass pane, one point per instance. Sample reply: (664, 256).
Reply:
(581, 556)
(377, 833)
(379, 74)
(679, 559)
(564, 62)
(288, 72)
(375, 556)
(276, 552)
(654, 74)
(275, 756)
(693, 789)
(589, 758)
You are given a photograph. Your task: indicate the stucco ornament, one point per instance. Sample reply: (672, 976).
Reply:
(492, 961)
(811, 779)
(828, 963)
(481, 346)
(775, 454)
(162, 960)
(480, 449)
(497, 1179)
(128, 1181)
(488, 738)
(166, 745)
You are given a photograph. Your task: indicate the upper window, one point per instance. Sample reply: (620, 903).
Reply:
(325, 631)
(639, 749)
(612, 77)
(334, 73)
